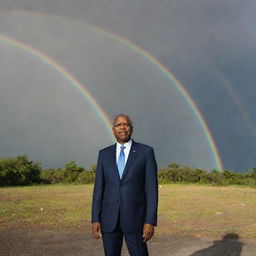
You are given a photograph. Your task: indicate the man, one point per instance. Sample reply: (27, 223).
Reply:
(125, 195)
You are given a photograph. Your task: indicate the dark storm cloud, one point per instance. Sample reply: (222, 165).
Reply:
(113, 73)
(193, 39)
(43, 116)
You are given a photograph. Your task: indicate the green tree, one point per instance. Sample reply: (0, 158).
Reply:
(30, 171)
(19, 171)
(72, 171)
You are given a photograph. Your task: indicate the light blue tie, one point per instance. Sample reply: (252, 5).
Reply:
(121, 162)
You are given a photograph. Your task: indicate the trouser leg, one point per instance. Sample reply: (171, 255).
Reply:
(112, 243)
(135, 244)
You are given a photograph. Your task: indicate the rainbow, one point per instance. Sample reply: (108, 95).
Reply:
(191, 103)
(237, 100)
(56, 66)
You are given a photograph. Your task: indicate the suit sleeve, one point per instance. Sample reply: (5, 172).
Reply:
(98, 191)
(151, 188)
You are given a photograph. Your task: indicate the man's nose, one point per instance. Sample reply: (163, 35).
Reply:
(123, 126)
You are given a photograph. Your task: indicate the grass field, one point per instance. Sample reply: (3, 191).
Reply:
(200, 211)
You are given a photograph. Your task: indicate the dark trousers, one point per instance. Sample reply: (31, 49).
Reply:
(113, 241)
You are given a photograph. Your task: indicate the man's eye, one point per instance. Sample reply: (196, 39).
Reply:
(118, 125)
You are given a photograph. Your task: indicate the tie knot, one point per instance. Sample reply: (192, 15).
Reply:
(122, 148)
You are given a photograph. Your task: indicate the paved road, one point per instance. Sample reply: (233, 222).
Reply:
(79, 243)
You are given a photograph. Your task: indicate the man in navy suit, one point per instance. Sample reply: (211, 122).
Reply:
(125, 195)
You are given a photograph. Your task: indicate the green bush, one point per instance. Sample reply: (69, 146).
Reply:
(47, 176)
(22, 171)
(19, 171)
(86, 177)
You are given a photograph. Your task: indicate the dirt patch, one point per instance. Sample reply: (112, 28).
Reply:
(79, 242)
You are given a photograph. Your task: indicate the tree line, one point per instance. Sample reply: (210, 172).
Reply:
(21, 170)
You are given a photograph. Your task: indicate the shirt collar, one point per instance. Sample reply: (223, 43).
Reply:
(127, 145)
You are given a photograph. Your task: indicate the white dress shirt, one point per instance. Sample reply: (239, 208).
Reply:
(127, 145)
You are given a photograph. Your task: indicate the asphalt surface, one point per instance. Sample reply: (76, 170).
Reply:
(81, 243)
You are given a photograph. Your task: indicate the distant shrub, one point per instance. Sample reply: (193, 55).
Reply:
(174, 173)
(86, 177)
(216, 178)
(19, 171)
(22, 171)
(251, 174)
(47, 176)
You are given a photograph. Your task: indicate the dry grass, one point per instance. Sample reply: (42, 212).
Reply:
(208, 210)
(202, 211)
(56, 206)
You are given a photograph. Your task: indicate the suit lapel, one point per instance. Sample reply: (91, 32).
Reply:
(113, 160)
(131, 158)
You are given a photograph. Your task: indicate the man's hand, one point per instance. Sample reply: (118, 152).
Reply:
(148, 232)
(96, 230)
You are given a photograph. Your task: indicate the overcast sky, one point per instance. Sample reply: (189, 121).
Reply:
(208, 45)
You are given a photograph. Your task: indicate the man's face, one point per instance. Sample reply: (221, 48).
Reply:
(122, 129)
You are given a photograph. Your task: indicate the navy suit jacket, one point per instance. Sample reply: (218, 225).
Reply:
(134, 197)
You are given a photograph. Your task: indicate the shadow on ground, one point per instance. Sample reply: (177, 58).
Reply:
(75, 242)
(229, 245)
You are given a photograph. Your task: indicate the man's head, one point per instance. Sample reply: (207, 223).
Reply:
(122, 128)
